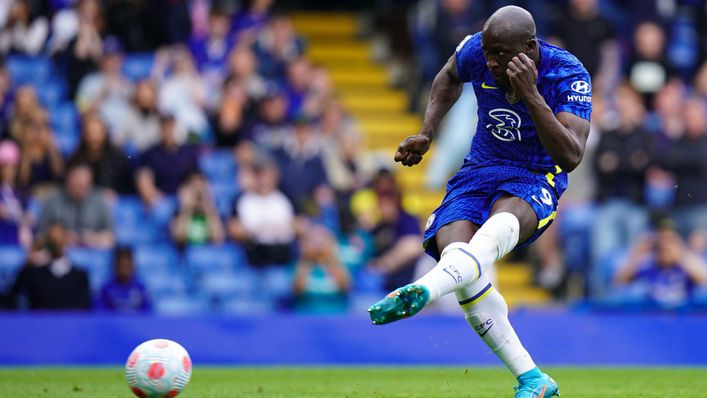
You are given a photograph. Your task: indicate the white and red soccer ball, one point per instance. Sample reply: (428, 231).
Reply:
(158, 369)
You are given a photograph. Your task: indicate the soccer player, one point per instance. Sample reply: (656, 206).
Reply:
(534, 107)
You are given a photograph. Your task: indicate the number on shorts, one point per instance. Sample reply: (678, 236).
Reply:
(546, 198)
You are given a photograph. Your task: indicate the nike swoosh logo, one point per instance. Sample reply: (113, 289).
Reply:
(484, 85)
(542, 393)
(486, 331)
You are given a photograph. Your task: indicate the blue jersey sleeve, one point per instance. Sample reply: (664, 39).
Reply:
(469, 57)
(574, 93)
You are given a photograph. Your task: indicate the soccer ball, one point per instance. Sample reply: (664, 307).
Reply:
(158, 369)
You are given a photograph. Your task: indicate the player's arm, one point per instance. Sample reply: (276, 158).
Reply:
(563, 135)
(446, 89)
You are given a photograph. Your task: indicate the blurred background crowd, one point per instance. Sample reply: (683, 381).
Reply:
(189, 156)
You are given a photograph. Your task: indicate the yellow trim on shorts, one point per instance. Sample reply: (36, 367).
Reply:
(550, 179)
(486, 293)
(546, 220)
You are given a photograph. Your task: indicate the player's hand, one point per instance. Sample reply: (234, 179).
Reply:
(523, 76)
(411, 150)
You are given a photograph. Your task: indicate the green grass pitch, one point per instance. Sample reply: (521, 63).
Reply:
(389, 382)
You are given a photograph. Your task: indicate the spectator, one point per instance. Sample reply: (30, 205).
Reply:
(303, 173)
(111, 169)
(299, 78)
(49, 281)
(82, 55)
(348, 168)
(14, 222)
(248, 22)
(107, 91)
(321, 282)
(271, 126)
(276, 45)
(243, 67)
(647, 69)
(166, 165)
(397, 243)
(140, 129)
(25, 31)
(23, 106)
(69, 21)
(686, 159)
(230, 123)
(263, 218)
(182, 92)
(585, 32)
(210, 52)
(124, 293)
(80, 209)
(665, 267)
(621, 161)
(700, 82)
(197, 221)
(41, 164)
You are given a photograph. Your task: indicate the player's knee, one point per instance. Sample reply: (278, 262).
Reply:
(460, 263)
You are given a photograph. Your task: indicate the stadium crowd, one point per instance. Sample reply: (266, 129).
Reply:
(183, 156)
(187, 156)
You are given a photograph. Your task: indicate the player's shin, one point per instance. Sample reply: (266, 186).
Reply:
(462, 263)
(487, 313)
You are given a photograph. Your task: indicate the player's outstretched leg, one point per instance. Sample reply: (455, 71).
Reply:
(487, 313)
(460, 263)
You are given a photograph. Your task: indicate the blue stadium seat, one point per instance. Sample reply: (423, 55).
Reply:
(218, 166)
(366, 281)
(97, 262)
(11, 260)
(182, 305)
(212, 258)
(224, 195)
(51, 93)
(155, 258)
(360, 301)
(134, 225)
(163, 211)
(164, 284)
(64, 121)
(247, 306)
(28, 70)
(221, 285)
(278, 281)
(138, 66)
(610, 264)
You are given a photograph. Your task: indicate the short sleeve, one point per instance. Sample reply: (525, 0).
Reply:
(469, 57)
(574, 94)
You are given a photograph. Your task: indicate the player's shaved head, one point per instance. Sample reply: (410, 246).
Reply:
(508, 32)
(510, 23)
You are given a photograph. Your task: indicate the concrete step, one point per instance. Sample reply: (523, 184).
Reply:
(324, 53)
(349, 78)
(382, 103)
(326, 24)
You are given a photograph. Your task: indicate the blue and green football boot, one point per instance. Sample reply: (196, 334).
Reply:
(535, 384)
(401, 303)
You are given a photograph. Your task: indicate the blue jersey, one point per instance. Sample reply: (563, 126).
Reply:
(506, 155)
(505, 134)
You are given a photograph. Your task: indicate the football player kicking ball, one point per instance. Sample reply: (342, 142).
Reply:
(534, 103)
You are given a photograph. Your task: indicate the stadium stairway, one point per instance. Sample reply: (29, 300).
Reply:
(381, 112)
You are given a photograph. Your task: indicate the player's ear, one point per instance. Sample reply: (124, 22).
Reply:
(530, 46)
